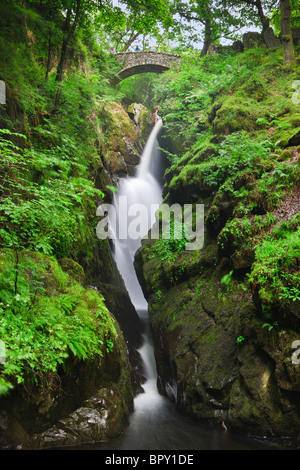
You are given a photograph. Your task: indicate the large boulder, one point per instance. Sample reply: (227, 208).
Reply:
(252, 39)
(91, 402)
(296, 36)
(126, 132)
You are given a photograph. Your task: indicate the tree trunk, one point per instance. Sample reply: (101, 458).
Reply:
(49, 58)
(265, 21)
(132, 38)
(207, 37)
(68, 34)
(63, 54)
(68, 31)
(286, 33)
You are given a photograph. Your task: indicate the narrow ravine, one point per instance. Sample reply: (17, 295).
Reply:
(155, 423)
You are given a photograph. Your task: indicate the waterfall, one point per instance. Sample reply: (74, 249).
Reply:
(144, 189)
(155, 424)
(149, 161)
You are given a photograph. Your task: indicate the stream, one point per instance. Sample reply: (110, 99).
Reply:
(155, 423)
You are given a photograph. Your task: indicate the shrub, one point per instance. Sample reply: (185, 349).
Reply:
(47, 317)
(275, 274)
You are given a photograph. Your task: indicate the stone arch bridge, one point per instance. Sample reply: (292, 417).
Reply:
(141, 62)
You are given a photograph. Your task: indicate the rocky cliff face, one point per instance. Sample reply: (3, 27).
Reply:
(85, 399)
(225, 318)
(125, 135)
(91, 402)
(253, 385)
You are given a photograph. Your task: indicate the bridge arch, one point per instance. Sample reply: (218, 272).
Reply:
(141, 62)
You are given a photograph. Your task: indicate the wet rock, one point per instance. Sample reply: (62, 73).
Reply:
(92, 401)
(121, 146)
(93, 421)
(94, 395)
(252, 383)
(126, 133)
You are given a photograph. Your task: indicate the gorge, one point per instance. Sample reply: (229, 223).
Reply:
(117, 343)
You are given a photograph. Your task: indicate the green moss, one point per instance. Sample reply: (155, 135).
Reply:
(233, 117)
(256, 88)
(285, 155)
(295, 120)
(73, 269)
(275, 273)
(241, 408)
(47, 317)
(210, 339)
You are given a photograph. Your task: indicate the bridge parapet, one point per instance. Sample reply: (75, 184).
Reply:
(145, 61)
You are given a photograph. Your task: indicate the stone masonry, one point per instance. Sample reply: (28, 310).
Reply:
(141, 62)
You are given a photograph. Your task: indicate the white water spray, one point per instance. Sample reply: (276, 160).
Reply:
(150, 154)
(142, 189)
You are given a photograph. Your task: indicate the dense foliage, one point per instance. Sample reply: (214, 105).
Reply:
(232, 119)
(228, 129)
(48, 194)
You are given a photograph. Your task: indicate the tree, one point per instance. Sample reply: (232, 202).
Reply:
(215, 20)
(68, 32)
(64, 14)
(126, 24)
(286, 33)
(253, 9)
(266, 14)
(295, 16)
(257, 12)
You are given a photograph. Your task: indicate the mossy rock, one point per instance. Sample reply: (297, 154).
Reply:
(285, 155)
(121, 144)
(295, 120)
(220, 211)
(233, 236)
(295, 139)
(253, 39)
(142, 119)
(256, 88)
(71, 334)
(73, 269)
(233, 116)
(193, 344)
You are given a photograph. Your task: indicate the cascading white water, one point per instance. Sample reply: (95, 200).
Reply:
(150, 155)
(142, 189)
